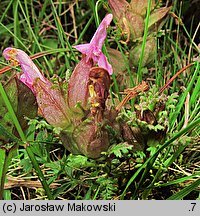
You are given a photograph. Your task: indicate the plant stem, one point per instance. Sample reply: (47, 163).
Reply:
(174, 77)
(139, 72)
(39, 173)
(23, 138)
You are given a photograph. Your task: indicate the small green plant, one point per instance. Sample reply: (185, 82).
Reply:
(150, 120)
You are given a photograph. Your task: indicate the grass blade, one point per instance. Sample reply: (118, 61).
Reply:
(139, 72)
(153, 157)
(185, 191)
(23, 138)
(179, 106)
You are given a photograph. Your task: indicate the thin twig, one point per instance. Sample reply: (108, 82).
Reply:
(174, 77)
(132, 93)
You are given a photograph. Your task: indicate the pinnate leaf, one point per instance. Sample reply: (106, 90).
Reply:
(120, 149)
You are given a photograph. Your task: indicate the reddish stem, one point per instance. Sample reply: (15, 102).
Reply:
(174, 77)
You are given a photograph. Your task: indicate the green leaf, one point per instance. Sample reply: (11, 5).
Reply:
(155, 155)
(4, 132)
(79, 161)
(6, 156)
(185, 191)
(159, 127)
(23, 103)
(26, 164)
(157, 19)
(149, 53)
(180, 180)
(7, 195)
(107, 187)
(120, 149)
(51, 43)
(2, 160)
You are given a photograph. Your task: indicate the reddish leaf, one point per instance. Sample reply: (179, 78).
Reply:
(118, 7)
(140, 6)
(91, 139)
(133, 24)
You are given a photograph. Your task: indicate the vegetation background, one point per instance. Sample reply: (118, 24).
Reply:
(167, 170)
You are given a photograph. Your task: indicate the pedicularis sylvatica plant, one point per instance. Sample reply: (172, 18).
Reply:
(82, 113)
(97, 116)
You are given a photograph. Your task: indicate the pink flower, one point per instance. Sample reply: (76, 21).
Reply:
(51, 103)
(93, 50)
(31, 72)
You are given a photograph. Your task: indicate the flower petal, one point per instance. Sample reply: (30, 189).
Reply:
(93, 50)
(100, 34)
(83, 48)
(51, 103)
(103, 62)
(31, 72)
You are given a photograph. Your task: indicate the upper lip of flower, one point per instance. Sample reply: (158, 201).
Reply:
(10, 55)
(93, 50)
(30, 71)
